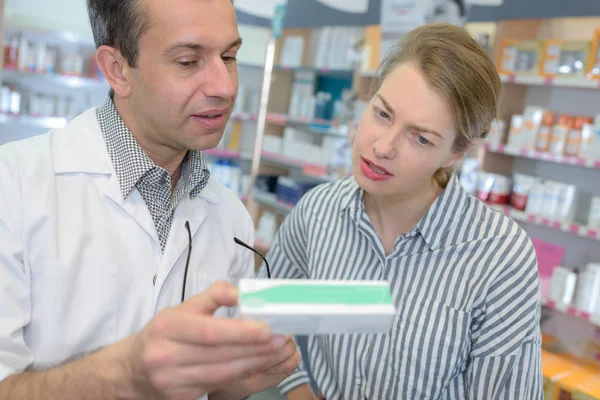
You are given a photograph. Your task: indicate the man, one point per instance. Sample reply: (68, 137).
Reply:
(101, 295)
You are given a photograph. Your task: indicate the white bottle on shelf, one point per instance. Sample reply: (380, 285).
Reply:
(23, 55)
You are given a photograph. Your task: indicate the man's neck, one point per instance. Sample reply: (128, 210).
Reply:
(160, 153)
(399, 214)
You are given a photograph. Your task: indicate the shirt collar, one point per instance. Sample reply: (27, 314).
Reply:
(131, 162)
(437, 220)
(442, 213)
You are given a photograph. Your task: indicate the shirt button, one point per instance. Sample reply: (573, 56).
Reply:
(163, 179)
(358, 382)
(154, 280)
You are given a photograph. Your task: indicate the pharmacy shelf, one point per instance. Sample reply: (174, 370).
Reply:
(315, 172)
(346, 73)
(61, 80)
(572, 228)
(317, 126)
(571, 310)
(34, 122)
(223, 153)
(270, 200)
(535, 80)
(284, 119)
(544, 156)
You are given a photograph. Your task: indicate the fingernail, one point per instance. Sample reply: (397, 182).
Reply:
(278, 342)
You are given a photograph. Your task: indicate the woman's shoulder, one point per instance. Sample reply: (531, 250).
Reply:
(329, 197)
(492, 229)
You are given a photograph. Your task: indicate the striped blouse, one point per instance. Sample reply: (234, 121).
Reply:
(465, 283)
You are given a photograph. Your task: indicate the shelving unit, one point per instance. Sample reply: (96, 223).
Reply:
(567, 227)
(74, 82)
(560, 95)
(551, 82)
(572, 311)
(33, 122)
(269, 200)
(542, 156)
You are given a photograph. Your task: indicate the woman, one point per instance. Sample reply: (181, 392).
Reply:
(464, 277)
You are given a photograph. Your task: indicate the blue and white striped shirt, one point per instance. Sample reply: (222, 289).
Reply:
(466, 285)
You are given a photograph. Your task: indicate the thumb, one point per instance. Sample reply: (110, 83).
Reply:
(217, 295)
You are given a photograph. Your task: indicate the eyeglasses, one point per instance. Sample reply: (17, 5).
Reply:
(187, 262)
(238, 241)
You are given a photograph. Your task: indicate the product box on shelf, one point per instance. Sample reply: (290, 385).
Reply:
(568, 58)
(559, 135)
(542, 142)
(574, 136)
(594, 214)
(525, 138)
(562, 286)
(289, 191)
(553, 200)
(522, 185)
(590, 141)
(587, 297)
(496, 133)
(493, 188)
(594, 61)
(521, 57)
(515, 130)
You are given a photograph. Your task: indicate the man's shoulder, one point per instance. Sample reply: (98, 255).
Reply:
(39, 149)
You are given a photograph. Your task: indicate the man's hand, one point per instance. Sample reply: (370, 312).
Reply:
(264, 379)
(185, 352)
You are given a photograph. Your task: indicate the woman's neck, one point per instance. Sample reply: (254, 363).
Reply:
(394, 215)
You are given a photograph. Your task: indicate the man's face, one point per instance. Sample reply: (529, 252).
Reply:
(185, 82)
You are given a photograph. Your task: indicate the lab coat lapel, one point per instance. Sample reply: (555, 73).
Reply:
(134, 205)
(80, 148)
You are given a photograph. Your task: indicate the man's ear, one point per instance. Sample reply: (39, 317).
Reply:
(115, 69)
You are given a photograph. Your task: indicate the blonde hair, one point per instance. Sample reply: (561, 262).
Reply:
(455, 65)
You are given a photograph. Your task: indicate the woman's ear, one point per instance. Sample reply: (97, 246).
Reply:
(115, 69)
(457, 157)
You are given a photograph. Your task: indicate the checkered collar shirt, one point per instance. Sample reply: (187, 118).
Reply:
(135, 169)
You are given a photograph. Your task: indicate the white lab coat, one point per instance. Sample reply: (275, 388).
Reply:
(77, 261)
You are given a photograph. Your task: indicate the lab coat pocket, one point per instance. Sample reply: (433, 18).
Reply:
(204, 280)
(77, 305)
(432, 342)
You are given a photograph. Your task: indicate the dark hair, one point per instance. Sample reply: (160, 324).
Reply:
(119, 24)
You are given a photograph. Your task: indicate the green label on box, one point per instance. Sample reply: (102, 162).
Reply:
(319, 294)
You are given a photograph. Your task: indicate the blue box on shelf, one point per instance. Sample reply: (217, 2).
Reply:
(290, 191)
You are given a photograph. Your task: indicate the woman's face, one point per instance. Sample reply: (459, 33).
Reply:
(405, 135)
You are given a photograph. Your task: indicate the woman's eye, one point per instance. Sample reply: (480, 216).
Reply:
(383, 114)
(423, 141)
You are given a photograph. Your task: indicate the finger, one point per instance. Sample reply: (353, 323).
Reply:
(180, 354)
(186, 327)
(213, 376)
(217, 295)
(288, 364)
